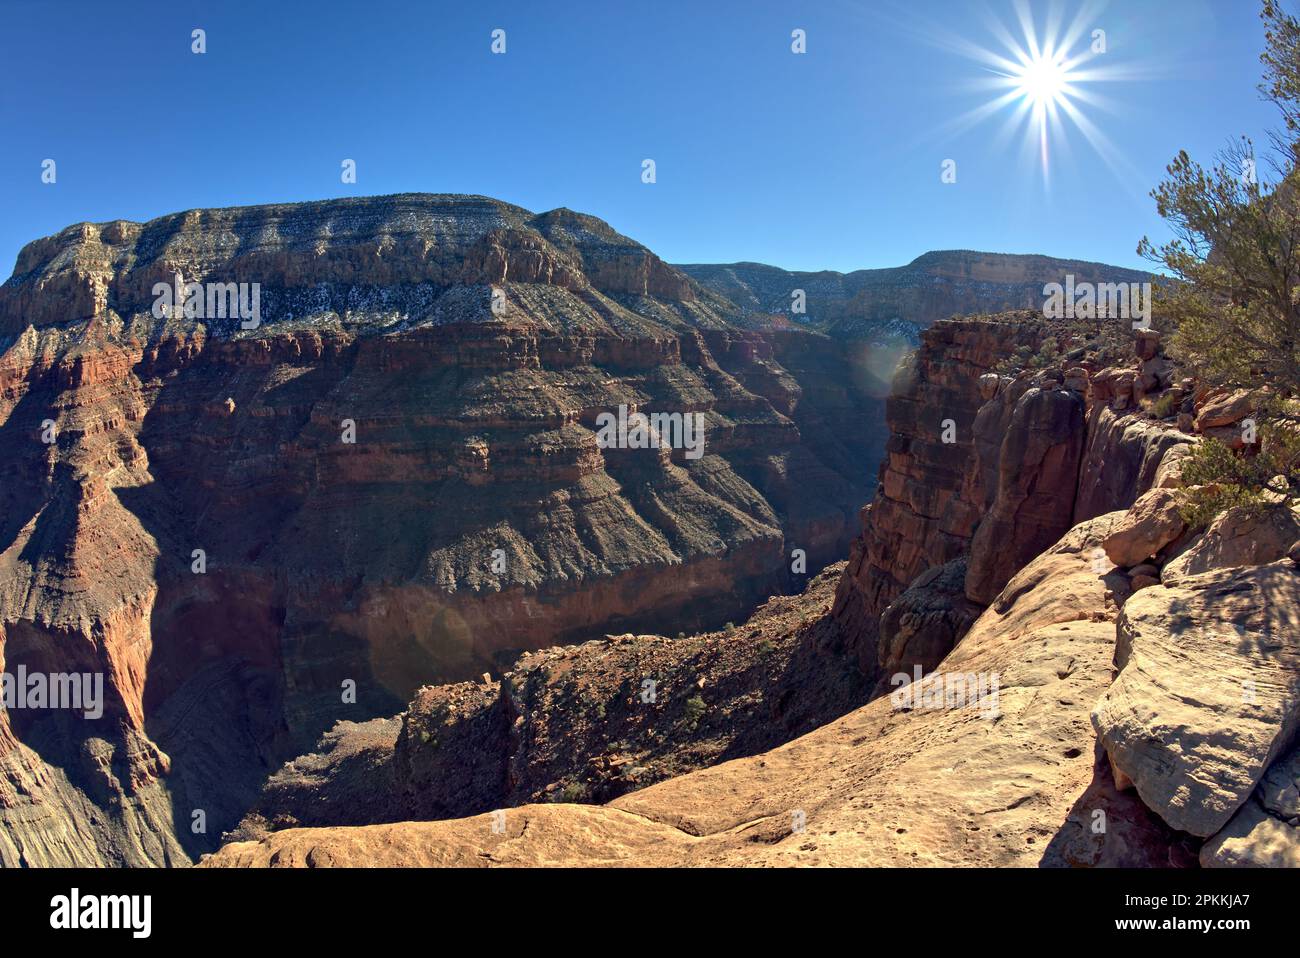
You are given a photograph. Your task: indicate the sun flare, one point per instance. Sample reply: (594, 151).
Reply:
(1044, 83)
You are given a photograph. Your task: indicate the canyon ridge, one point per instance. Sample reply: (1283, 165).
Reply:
(359, 575)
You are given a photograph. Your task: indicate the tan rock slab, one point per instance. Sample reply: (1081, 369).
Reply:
(1208, 692)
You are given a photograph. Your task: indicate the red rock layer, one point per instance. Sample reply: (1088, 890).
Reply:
(204, 533)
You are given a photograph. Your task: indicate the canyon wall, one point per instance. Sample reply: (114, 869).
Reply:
(1125, 697)
(258, 529)
(989, 463)
(391, 476)
(881, 305)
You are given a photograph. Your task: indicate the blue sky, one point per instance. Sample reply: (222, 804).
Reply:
(826, 160)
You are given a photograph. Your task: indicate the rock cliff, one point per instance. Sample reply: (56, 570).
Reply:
(386, 471)
(359, 510)
(1127, 696)
(895, 303)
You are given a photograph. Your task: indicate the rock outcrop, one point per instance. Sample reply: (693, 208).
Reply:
(925, 511)
(1122, 458)
(922, 625)
(1010, 778)
(992, 466)
(1265, 832)
(1241, 536)
(1208, 691)
(588, 722)
(1154, 522)
(1037, 470)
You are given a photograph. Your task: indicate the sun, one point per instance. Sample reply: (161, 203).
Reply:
(1043, 83)
(1042, 80)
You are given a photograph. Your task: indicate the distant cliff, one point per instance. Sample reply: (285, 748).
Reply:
(893, 303)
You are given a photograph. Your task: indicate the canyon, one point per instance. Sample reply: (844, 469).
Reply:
(1146, 673)
(394, 478)
(363, 576)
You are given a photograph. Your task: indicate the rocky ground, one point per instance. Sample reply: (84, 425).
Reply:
(580, 723)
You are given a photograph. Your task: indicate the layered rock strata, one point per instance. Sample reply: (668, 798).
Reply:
(1128, 697)
(987, 466)
(389, 473)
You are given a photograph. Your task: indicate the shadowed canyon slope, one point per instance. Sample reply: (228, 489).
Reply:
(1144, 708)
(390, 476)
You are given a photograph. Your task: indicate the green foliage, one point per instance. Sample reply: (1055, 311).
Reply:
(1281, 83)
(1047, 353)
(1205, 504)
(1236, 251)
(695, 709)
(573, 792)
(1165, 406)
(1227, 479)
(1012, 365)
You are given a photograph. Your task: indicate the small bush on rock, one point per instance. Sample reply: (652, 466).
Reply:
(1220, 478)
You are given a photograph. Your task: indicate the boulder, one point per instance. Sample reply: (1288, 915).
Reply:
(1169, 474)
(1253, 839)
(1225, 410)
(1279, 792)
(1153, 523)
(1124, 390)
(1266, 832)
(1208, 692)
(1154, 375)
(1112, 386)
(1147, 344)
(1231, 436)
(1242, 536)
(1101, 388)
(922, 625)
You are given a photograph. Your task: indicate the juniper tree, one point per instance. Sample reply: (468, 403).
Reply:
(1236, 247)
